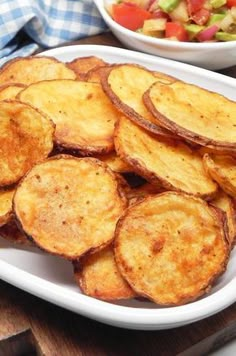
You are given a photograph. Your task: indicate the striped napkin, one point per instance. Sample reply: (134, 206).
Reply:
(26, 25)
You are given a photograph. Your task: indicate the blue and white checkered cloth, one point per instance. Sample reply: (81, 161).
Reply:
(27, 24)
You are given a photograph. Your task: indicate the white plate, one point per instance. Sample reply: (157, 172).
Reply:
(51, 278)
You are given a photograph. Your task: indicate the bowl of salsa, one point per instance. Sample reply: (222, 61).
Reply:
(199, 32)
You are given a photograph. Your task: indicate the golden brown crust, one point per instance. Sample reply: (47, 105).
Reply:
(6, 196)
(223, 170)
(166, 163)
(81, 66)
(98, 276)
(211, 121)
(27, 70)
(226, 203)
(10, 90)
(26, 137)
(72, 207)
(171, 247)
(83, 115)
(125, 84)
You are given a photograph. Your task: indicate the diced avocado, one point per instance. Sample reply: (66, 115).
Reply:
(217, 3)
(215, 18)
(193, 30)
(224, 36)
(168, 5)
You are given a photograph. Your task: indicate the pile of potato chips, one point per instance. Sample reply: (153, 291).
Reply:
(126, 172)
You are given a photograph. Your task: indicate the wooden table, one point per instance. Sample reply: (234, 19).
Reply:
(30, 326)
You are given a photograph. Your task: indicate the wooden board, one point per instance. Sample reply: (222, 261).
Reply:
(30, 326)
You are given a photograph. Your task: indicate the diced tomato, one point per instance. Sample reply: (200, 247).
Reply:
(231, 3)
(194, 6)
(130, 15)
(174, 29)
(159, 14)
(201, 17)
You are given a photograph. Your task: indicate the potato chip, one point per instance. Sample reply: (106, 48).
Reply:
(6, 196)
(98, 276)
(136, 194)
(209, 120)
(82, 65)
(226, 203)
(12, 233)
(33, 69)
(10, 91)
(167, 163)
(115, 162)
(69, 205)
(171, 247)
(26, 136)
(223, 170)
(83, 114)
(125, 85)
(95, 74)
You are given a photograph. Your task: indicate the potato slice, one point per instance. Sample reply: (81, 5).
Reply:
(95, 74)
(115, 162)
(12, 233)
(225, 203)
(26, 136)
(171, 247)
(125, 85)
(223, 170)
(6, 196)
(167, 163)
(210, 121)
(69, 205)
(136, 194)
(98, 276)
(10, 91)
(82, 65)
(33, 69)
(83, 114)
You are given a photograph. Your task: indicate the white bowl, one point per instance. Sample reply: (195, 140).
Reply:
(217, 55)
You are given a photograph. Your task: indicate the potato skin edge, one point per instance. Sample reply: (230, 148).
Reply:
(91, 249)
(219, 215)
(185, 133)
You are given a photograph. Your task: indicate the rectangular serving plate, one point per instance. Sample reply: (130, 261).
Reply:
(51, 278)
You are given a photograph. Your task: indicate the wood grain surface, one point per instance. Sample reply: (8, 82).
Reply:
(30, 326)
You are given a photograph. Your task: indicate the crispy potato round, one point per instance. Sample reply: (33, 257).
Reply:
(6, 196)
(95, 74)
(26, 136)
(115, 162)
(209, 121)
(223, 170)
(136, 194)
(10, 90)
(12, 233)
(33, 69)
(125, 85)
(226, 203)
(171, 247)
(82, 65)
(83, 114)
(168, 163)
(98, 276)
(69, 205)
